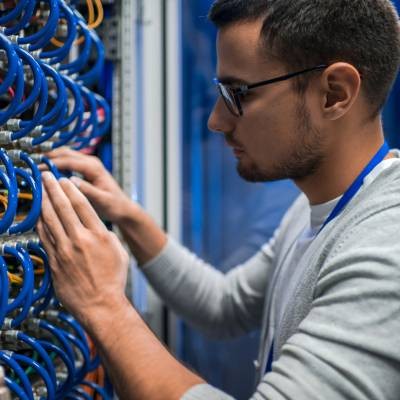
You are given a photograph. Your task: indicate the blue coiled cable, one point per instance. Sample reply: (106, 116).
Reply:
(67, 137)
(80, 333)
(39, 91)
(105, 125)
(40, 38)
(36, 346)
(12, 66)
(9, 182)
(14, 13)
(55, 122)
(4, 287)
(24, 20)
(61, 93)
(79, 63)
(16, 389)
(51, 391)
(80, 392)
(78, 102)
(45, 287)
(52, 167)
(81, 373)
(5, 358)
(94, 73)
(31, 218)
(84, 141)
(49, 31)
(8, 113)
(25, 294)
(73, 323)
(59, 335)
(67, 385)
(50, 130)
(37, 75)
(61, 53)
(97, 389)
(34, 181)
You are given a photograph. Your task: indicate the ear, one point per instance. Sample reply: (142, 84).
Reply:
(341, 87)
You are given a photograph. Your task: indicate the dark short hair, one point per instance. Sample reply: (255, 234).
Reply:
(305, 33)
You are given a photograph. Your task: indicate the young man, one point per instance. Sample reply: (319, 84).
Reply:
(326, 289)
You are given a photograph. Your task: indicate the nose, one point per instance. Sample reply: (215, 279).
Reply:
(220, 119)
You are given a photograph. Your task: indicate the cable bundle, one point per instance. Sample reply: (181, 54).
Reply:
(49, 57)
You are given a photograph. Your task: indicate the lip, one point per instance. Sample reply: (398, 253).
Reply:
(238, 152)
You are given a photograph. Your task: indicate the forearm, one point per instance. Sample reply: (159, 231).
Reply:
(219, 305)
(143, 236)
(138, 364)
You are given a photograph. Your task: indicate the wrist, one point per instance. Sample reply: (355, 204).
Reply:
(99, 319)
(127, 212)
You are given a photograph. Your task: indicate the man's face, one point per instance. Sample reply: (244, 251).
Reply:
(276, 137)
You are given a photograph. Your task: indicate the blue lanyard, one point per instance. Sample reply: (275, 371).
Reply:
(343, 202)
(357, 184)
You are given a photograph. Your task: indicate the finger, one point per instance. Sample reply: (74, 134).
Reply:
(41, 227)
(43, 167)
(88, 166)
(59, 209)
(90, 191)
(63, 151)
(50, 219)
(82, 207)
(48, 244)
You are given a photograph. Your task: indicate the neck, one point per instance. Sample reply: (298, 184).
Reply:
(342, 164)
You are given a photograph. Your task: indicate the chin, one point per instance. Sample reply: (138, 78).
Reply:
(254, 174)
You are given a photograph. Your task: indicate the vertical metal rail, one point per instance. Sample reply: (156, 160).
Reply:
(127, 88)
(138, 125)
(173, 139)
(124, 104)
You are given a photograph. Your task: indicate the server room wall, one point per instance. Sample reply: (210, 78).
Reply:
(50, 59)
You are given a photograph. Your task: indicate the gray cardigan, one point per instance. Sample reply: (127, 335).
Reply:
(340, 336)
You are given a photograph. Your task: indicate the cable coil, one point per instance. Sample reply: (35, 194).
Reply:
(49, 58)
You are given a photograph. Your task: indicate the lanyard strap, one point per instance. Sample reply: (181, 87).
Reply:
(343, 202)
(357, 184)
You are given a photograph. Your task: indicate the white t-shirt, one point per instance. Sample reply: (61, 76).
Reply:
(291, 269)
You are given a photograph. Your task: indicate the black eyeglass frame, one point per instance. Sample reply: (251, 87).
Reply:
(243, 89)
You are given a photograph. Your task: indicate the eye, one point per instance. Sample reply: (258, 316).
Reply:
(242, 95)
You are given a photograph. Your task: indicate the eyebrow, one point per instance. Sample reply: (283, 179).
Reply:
(229, 80)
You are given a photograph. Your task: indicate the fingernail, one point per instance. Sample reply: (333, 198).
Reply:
(75, 180)
(46, 175)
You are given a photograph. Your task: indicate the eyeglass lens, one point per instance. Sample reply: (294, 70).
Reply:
(228, 99)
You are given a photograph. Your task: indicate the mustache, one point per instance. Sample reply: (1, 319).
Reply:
(231, 141)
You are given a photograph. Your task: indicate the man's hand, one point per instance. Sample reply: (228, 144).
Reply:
(98, 184)
(89, 265)
(89, 270)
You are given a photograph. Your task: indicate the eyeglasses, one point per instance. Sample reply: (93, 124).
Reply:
(231, 96)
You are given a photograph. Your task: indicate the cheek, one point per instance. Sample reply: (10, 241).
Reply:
(268, 132)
